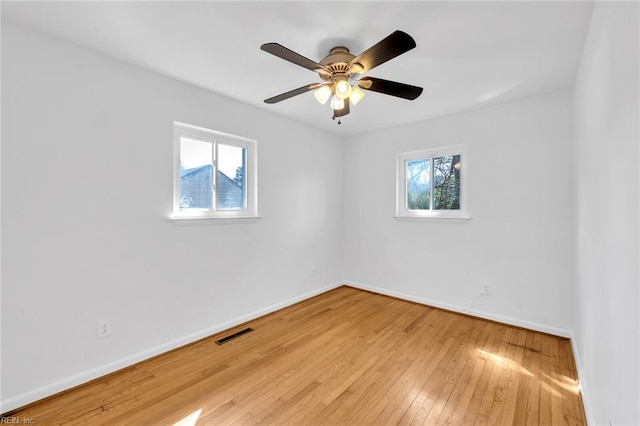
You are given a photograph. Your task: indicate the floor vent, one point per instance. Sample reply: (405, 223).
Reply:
(234, 335)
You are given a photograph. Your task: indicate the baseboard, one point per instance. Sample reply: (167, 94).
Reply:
(464, 310)
(86, 376)
(580, 374)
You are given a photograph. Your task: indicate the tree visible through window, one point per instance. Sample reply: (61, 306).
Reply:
(446, 183)
(442, 174)
(431, 181)
(419, 184)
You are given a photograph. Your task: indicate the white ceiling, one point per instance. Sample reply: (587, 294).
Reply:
(468, 54)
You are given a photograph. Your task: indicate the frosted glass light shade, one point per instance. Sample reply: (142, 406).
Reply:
(343, 89)
(356, 95)
(337, 103)
(323, 94)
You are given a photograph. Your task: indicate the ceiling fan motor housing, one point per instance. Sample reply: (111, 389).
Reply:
(337, 61)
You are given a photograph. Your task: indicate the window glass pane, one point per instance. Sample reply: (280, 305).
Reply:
(446, 183)
(196, 174)
(231, 187)
(418, 185)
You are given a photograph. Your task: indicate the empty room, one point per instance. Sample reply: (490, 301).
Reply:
(317, 212)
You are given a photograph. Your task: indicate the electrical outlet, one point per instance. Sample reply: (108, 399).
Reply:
(104, 329)
(485, 289)
(313, 272)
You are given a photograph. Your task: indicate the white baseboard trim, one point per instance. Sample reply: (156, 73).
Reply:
(463, 310)
(580, 373)
(68, 383)
(86, 376)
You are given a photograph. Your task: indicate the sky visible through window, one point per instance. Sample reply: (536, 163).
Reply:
(194, 153)
(215, 174)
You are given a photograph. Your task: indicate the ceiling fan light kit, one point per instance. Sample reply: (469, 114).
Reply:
(323, 94)
(356, 95)
(342, 88)
(341, 73)
(337, 103)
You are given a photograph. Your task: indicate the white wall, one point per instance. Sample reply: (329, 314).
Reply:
(606, 193)
(87, 188)
(86, 163)
(519, 238)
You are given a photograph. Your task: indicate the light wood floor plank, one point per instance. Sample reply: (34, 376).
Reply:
(457, 404)
(344, 357)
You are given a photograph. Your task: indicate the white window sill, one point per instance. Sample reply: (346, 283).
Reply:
(211, 220)
(440, 219)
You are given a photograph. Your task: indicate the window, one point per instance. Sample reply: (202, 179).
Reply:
(431, 183)
(214, 174)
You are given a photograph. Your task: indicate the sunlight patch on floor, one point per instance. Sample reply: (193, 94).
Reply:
(547, 387)
(564, 382)
(505, 362)
(190, 420)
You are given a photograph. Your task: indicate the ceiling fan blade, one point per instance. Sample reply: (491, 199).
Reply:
(293, 57)
(391, 46)
(337, 113)
(292, 93)
(393, 88)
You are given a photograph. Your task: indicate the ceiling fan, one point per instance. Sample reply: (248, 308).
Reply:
(341, 73)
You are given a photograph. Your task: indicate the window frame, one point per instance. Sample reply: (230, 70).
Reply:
(402, 210)
(250, 173)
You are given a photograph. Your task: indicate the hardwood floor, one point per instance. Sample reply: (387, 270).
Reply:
(344, 357)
